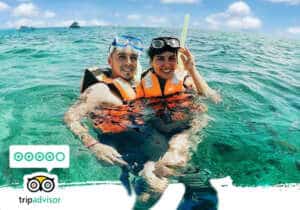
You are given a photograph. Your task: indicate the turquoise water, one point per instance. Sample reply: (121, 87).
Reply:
(255, 133)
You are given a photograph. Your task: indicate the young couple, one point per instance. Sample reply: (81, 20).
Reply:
(112, 98)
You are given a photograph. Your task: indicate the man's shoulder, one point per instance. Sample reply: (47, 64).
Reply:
(100, 93)
(93, 75)
(97, 88)
(98, 70)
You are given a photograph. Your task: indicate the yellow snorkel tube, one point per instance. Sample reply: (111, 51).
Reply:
(184, 30)
(183, 39)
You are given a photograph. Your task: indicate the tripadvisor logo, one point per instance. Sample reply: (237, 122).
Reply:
(39, 156)
(40, 183)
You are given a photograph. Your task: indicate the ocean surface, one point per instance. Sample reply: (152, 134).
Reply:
(254, 134)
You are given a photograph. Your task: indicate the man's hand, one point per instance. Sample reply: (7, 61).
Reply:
(107, 155)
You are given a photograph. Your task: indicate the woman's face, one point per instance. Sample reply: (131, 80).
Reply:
(165, 64)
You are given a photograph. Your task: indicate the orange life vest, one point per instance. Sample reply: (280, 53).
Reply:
(151, 86)
(125, 89)
(116, 119)
(128, 92)
(175, 103)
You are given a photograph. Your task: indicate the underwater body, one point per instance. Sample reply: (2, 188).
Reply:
(253, 135)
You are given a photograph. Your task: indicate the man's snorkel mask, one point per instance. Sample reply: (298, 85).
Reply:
(135, 44)
(124, 41)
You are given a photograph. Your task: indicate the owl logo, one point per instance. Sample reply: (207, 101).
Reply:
(40, 182)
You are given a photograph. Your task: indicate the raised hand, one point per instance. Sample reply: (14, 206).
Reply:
(187, 58)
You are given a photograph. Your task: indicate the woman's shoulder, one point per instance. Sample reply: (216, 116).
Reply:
(145, 72)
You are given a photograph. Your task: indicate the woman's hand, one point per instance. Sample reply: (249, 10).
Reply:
(214, 95)
(187, 60)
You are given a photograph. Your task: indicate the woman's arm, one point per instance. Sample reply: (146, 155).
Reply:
(199, 83)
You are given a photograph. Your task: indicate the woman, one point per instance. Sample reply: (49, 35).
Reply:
(171, 93)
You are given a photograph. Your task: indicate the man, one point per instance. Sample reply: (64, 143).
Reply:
(123, 61)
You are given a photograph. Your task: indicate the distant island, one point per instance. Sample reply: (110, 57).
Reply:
(74, 25)
(26, 28)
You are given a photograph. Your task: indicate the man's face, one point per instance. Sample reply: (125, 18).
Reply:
(165, 64)
(123, 63)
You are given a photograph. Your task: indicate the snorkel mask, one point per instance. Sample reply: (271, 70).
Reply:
(163, 44)
(124, 41)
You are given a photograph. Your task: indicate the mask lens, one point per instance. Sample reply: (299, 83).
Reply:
(136, 43)
(128, 41)
(132, 49)
(157, 44)
(120, 41)
(173, 43)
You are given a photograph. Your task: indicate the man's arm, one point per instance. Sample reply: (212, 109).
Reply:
(200, 84)
(92, 97)
(73, 119)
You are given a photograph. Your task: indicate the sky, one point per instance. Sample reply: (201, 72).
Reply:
(267, 16)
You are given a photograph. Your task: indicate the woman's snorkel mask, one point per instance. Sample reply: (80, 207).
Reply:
(162, 44)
